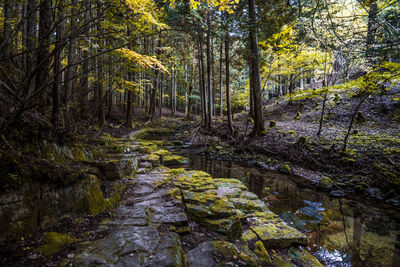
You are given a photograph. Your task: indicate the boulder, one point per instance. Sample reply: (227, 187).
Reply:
(325, 184)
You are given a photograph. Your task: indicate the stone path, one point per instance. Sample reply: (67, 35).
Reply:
(163, 205)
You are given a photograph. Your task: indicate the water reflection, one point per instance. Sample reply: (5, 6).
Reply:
(341, 232)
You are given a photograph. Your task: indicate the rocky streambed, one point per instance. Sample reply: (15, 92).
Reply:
(173, 217)
(155, 215)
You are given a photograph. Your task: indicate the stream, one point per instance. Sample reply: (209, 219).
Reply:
(340, 231)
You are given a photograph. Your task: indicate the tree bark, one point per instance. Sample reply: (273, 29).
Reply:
(43, 54)
(30, 43)
(71, 70)
(203, 83)
(8, 12)
(227, 85)
(258, 128)
(55, 115)
(371, 32)
(220, 79)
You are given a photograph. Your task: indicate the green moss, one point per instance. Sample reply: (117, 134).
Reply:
(229, 250)
(162, 152)
(262, 253)
(285, 168)
(152, 157)
(303, 257)
(175, 193)
(147, 148)
(325, 184)
(231, 226)
(173, 160)
(278, 261)
(93, 201)
(230, 182)
(55, 242)
(248, 236)
(177, 171)
(298, 116)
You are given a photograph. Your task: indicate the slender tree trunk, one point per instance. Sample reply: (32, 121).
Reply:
(209, 83)
(55, 116)
(227, 85)
(201, 89)
(8, 14)
(371, 32)
(129, 107)
(160, 99)
(85, 68)
(203, 83)
(43, 54)
(255, 72)
(71, 70)
(85, 82)
(100, 78)
(190, 101)
(353, 116)
(30, 43)
(220, 79)
(321, 119)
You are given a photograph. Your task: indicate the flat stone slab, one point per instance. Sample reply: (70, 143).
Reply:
(117, 245)
(275, 233)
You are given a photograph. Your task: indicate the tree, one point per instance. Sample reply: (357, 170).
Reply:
(255, 81)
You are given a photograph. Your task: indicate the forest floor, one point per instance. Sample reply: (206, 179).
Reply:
(369, 166)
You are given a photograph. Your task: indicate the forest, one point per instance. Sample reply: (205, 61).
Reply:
(199, 133)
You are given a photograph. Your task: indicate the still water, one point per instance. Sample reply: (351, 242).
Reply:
(341, 232)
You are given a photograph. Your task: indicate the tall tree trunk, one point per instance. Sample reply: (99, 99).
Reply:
(8, 14)
(201, 88)
(371, 32)
(43, 54)
(70, 72)
(203, 83)
(30, 43)
(100, 79)
(153, 100)
(55, 115)
(255, 72)
(220, 78)
(209, 83)
(84, 90)
(160, 99)
(227, 84)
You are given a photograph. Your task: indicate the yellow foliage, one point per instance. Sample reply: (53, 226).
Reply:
(223, 5)
(142, 60)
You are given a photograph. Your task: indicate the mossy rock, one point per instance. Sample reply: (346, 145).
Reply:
(262, 253)
(174, 160)
(325, 184)
(55, 242)
(93, 201)
(303, 257)
(274, 233)
(232, 251)
(231, 226)
(285, 168)
(162, 152)
(298, 116)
